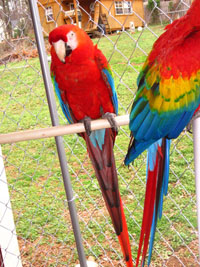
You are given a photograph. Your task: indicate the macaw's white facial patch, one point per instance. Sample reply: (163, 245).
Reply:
(72, 40)
(59, 47)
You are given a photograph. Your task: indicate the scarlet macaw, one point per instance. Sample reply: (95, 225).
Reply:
(85, 87)
(168, 94)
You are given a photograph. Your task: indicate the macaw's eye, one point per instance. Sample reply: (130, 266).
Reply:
(72, 40)
(71, 35)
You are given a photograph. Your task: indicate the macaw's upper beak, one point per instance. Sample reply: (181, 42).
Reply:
(62, 50)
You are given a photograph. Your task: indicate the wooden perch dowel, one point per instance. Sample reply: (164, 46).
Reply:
(15, 137)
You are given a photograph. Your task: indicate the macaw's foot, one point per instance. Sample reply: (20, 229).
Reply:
(87, 124)
(111, 119)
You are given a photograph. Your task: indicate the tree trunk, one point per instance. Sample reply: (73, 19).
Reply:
(5, 16)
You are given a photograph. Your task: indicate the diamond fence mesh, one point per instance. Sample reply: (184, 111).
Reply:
(125, 32)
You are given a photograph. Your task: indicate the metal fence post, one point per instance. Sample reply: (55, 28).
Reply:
(55, 122)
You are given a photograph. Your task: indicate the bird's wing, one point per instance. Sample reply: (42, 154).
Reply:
(168, 93)
(65, 108)
(107, 76)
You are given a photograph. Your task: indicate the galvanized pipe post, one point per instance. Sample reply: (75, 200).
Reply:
(55, 122)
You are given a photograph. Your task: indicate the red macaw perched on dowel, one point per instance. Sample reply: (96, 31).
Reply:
(168, 94)
(85, 88)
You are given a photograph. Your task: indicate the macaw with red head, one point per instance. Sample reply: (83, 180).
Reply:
(85, 88)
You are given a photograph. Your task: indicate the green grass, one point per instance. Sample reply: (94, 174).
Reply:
(34, 176)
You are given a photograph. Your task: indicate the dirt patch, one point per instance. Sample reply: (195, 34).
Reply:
(185, 256)
(23, 50)
(49, 253)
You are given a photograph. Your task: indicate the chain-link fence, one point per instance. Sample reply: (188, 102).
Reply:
(125, 32)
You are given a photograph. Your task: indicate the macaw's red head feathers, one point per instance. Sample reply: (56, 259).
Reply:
(194, 12)
(69, 41)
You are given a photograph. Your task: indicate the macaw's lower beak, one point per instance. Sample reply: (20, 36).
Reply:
(68, 49)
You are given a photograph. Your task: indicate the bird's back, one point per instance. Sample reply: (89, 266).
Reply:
(168, 85)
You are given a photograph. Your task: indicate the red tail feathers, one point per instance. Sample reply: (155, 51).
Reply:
(150, 197)
(157, 185)
(124, 239)
(102, 157)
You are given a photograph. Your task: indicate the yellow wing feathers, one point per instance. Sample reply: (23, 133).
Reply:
(172, 93)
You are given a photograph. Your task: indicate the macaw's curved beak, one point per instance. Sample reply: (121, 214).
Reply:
(62, 50)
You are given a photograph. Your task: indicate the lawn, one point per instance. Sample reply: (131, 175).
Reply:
(38, 199)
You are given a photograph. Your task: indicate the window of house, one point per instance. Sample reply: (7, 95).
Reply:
(127, 7)
(119, 7)
(123, 7)
(49, 13)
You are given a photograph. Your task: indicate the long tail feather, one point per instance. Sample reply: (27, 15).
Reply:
(100, 149)
(147, 214)
(157, 185)
(162, 188)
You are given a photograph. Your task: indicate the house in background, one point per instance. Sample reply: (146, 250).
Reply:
(110, 15)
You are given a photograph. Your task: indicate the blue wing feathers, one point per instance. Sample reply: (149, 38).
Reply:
(112, 85)
(137, 149)
(64, 107)
(139, 113)
(154, 125)
(98, 136)
(148, 126)
(180, 124)
(145, 125)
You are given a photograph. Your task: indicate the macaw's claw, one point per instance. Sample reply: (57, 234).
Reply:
(87, 124)
(111, 119)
